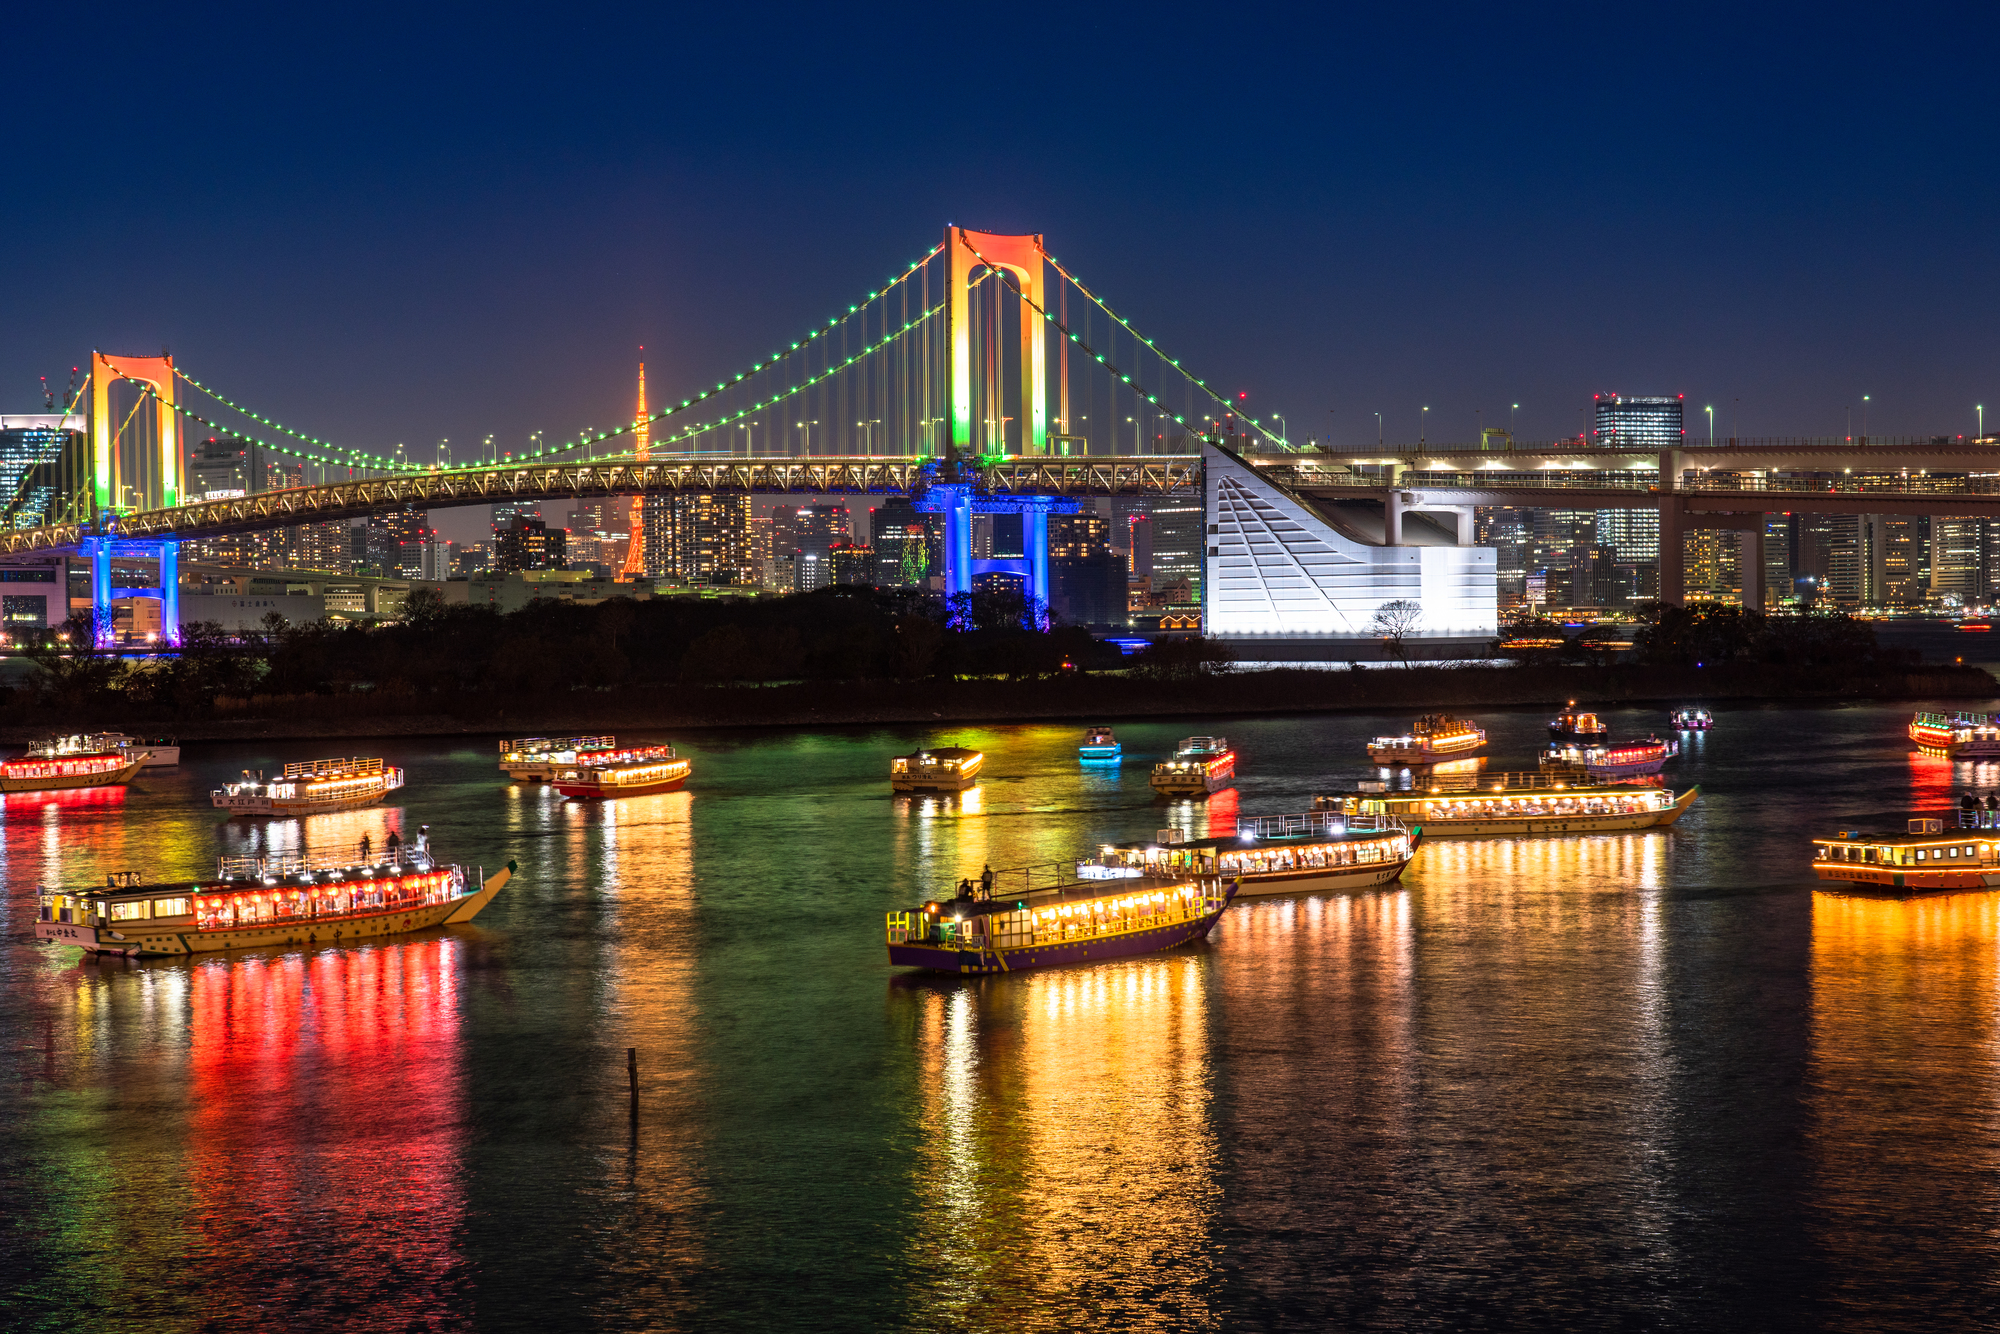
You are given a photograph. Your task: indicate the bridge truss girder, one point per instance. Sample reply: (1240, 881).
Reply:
(1135, 475)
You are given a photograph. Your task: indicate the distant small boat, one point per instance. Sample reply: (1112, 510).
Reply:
(946, 769)
(1202, 765)
(1693, 719)
(1099, 744)
(1570, 725)
(1435, 736)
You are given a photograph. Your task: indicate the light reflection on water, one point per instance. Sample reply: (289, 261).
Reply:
(1643, 1078)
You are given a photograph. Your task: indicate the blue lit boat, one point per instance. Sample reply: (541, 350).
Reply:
(1099, 746)
(1042, 917)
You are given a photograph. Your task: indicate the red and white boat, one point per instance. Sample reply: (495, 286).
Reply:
(634, 771)
(1627, 759)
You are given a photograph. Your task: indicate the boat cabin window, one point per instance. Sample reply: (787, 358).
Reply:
(125, 912)
(171, 908)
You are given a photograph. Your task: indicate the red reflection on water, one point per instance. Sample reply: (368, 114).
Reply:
(325, 1142)
(1222, 808)
(72, 796)
(1931, 778)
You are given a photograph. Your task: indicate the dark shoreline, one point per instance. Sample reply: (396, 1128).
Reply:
(1079, 700)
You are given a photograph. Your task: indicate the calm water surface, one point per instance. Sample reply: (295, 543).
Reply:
(1633, 1081)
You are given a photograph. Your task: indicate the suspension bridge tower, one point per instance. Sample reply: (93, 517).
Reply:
(155, 378)
(1021, 260)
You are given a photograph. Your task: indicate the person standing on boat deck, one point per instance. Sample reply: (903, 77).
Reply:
(986, 882)
(367, 848)
(394, 845)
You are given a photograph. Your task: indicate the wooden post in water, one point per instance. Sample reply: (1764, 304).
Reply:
(632, 1077)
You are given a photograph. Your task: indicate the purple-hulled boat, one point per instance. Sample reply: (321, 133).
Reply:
(1038, 917)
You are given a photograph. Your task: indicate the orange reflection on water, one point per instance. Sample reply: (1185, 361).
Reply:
(1905, 1089)
(651, 932)
(327, 1103)
(1066, 1142)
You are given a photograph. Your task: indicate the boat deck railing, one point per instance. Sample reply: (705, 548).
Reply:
(530, 746)
(271, 865)
(1307, 824)
(354, 768)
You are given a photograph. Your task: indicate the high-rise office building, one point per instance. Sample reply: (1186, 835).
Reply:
(1958, 559)
(852, 565)
(908, 543)
(528, 544)
(1179, 550)
(1087, 579)
(1639, 422)
(699, 539)
(813, 531)
(396, 542)
(1906, 560)
(31, 452)
(220, 467)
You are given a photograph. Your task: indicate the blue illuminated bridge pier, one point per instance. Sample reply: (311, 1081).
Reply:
(985, 377)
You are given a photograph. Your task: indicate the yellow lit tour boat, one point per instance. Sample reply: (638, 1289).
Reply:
(1957, 736)
(535, 759)
(944, 769)
(1275, 854)
(1929, 859)
(1531, 804)
(260, 902)
(1041, 917)
(1202, 765)
(1436, 736)
(311, 787)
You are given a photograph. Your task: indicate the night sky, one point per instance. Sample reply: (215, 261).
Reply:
(382, 226)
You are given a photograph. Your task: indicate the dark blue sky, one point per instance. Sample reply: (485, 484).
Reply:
(385, 226)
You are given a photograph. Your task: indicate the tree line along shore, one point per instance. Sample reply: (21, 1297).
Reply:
(857, 657)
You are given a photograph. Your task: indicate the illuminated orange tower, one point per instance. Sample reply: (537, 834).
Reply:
(642, 448)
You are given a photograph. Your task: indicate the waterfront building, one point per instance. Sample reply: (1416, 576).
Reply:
(1509, 532)
(1713, 569)
(1958, 560)
(1637, 421)
(34, 592)
(1282, 582)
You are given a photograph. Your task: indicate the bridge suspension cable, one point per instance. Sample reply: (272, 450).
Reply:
(353, 458)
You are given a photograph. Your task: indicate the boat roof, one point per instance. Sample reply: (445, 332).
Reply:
(948, 752)
(1236, 841)
(1889, 840)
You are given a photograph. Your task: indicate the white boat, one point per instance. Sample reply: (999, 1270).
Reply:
(537, 759)
(1312, 853)
(150, 754)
